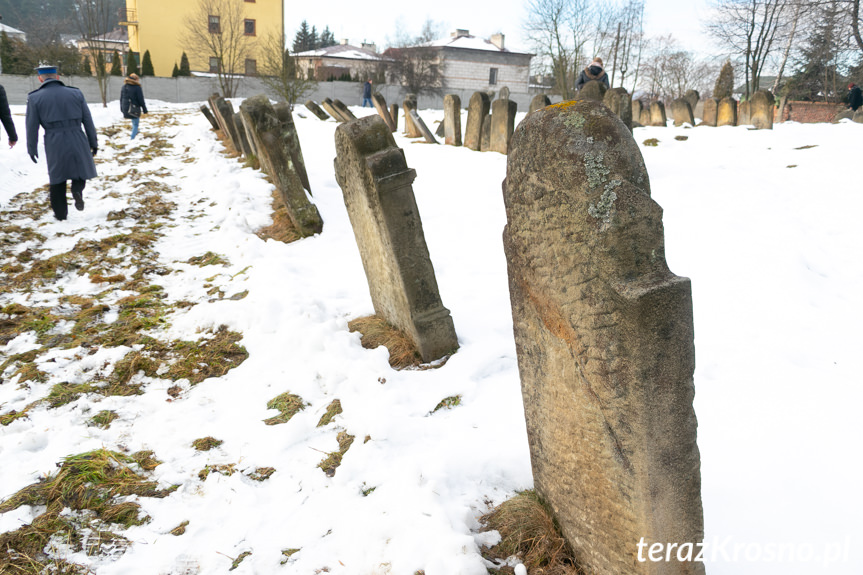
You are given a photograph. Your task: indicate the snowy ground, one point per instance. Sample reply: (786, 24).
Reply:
(765, 223)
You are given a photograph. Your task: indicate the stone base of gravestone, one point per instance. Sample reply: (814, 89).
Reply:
(502, 124)
(762, 107)
(452, 120)
(538, 102)
(477, 110)
(727, 112)
(593, 90)
(381, 106)
(313, 107)
(681, 111)
(657, 114)
(277, 156)
(604, 339)
(376, 183)
(209, 115)
(711, 110)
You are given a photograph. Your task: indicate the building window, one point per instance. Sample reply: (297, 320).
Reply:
(492, 76)
(249, 27)
(251, 67)
(214, 25)
(109, 57)
(214, 65)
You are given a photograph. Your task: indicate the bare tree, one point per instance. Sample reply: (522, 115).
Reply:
(279, 71)
(629, 42)
(216, 32)
(415, 63)
(855, 23)
(670, 71)
(95, 18)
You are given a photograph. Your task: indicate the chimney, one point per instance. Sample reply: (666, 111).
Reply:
(344, 42)
(459, 33)
(369, 46)
(497, 40)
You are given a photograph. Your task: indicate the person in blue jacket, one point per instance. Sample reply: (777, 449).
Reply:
(132, 102)
(61, 111)
(367, 93)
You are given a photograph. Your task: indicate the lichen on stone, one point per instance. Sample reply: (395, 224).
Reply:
(603, 208)
(573, 120)
(595, 169)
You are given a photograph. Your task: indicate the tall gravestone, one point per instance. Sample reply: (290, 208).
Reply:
(381, 106)
(485, 140)
(681, 111)
(644, 118)
(477, 110)
(593, 90)
(376, 183)
(245, 146)
(727, 114)
(452, 120)
(744, 113)
(637, 107)
(502, 124)
(394, 114)
(277, 146)
(762, 107)
(313, 107)
(291, 142)
(410, 103)
(604, 338)
(711, 110)
(657, 114)
(692, 96)
(619, 102)
(538, 102)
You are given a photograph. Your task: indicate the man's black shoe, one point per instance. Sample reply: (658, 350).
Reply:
(79, 199)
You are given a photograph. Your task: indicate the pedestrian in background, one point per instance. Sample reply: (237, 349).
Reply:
(61, 111)
(132, 102)
(595, 71)
(367, 93)
(6, 119)
(855, 97)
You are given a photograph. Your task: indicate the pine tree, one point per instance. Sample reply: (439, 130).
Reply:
(301, 39)
(725, 82)
(176, 71)
(147, 65)
(131, 63)
(6, 53)
(327, 38)
(86, 70)
(185, 69)
(116, 65)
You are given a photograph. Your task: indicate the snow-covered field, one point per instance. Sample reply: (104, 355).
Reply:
(765, 223)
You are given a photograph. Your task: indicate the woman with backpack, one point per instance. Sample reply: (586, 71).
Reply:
(593, 72)
(132, 103)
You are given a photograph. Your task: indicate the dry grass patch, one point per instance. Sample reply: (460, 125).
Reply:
(208, 259)
(333, 409)
(282, 229)
(331, 462)
(528, 530)
(288, 406)
(103, 419)
(206, 443)
(376, 332)
(653, 142)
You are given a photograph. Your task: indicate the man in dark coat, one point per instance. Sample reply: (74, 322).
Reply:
(367, 93)
(593, 72)
(61, 111)
(855, 96)
(6, 119)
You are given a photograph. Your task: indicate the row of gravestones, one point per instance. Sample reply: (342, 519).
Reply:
(603, 329)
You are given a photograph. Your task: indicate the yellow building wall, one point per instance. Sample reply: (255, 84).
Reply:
(160, 26)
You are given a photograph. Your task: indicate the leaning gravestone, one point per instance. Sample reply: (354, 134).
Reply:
(619, 102)
(681, 111)
(657, 114)
(452, 120)
(225, 117)
(593, 90)
(604, 339)
(209, 115)
(381, 106)
(327, 104)
(711, 108)
(421, 126)
(344, 111)
(291, 142)
(477, 110)
(762, 107)
(376, 183)
(727, 114)
(692, 96)
(245, 147)
(313, 107)
(410, 103)
(538, 102)
(440, 131)
(277, 153)
(394, 114)
(502, 124)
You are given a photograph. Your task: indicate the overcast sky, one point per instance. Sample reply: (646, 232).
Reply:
(377, 21)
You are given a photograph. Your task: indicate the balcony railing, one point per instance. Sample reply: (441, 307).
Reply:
(128, 17)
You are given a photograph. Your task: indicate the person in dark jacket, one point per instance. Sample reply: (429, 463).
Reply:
(855, 97)
(6, 119)
(132, 102)
(593, 72)
(367, 94)
(61, 111)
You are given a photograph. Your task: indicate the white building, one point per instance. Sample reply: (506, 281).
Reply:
(334, 62)
(13, 33)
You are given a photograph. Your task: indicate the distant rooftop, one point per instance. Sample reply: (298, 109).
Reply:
(462, 38)
(10, 31)
(345, 51)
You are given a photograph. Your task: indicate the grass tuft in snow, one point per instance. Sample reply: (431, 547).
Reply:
(448, 403)
(333, 409)
(103, 419)
(179, 529)
(652, 142)
(206, 443)
(528, 530)
(239, 560)
(376, 332)
(288, 406)
(261, 473)
(331, 462)
(209, 259)
(282, 229)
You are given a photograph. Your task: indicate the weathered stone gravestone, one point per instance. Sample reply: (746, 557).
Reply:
(858, 116)
(681, 111)
(644, 117)
(224, 114)
(762, 107)
(657, 114)
(420, 125)
(744, 115)
(727, 114)
(593, 90)
(538, 102)
(711, 109)
(344, 111)
(452, 120)
(291, 142)
(277, 145)
(692, 96)
(477, 110)
(209, 115)
(410, 103)
(381, 106)
(394, 114)
(440, 131)
(376, 183)
(503, 94)
(485, 139)
(245, 147)
(604, 338)
(331, 110)
(619, 102)
(637, 107)
(313, 107)
(502, 124)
